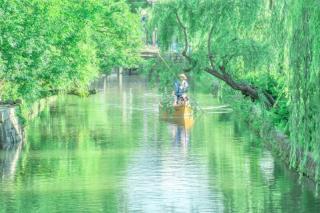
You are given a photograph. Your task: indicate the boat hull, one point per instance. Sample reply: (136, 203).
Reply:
(180, 115)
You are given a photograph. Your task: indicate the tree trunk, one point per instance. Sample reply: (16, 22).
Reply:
(222, 74)
(245, 89)
(186, 45)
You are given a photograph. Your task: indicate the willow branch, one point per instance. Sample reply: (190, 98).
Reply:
(185, 35)
(210, 56)
(186, 44)
(223, 75)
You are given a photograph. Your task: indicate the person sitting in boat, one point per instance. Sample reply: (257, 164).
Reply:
(181, 89)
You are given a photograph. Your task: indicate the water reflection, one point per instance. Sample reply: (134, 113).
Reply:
(110, 153)
(180, 134)
(179, 127)
(267, 167)
(170, 178)
(8, 161)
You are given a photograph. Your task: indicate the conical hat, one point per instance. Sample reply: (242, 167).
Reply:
(183, 76)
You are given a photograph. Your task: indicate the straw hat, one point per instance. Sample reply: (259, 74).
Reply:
(183, 76)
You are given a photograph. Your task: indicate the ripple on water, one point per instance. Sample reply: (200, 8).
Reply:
(111, 153)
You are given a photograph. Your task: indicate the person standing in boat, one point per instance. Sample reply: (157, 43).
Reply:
(181, 89)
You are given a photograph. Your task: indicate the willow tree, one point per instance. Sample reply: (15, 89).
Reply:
(268, 50)
(223, 38)
(304, 81)
(295, 38)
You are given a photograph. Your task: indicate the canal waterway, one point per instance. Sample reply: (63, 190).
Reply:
(110, 152)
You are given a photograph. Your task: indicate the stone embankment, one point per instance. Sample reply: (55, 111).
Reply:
(11, 132)
(11, 129)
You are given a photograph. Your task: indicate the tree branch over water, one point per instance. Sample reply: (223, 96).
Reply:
(223, 75)
(186, 44)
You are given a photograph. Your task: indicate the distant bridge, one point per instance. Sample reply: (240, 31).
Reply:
(149, 52)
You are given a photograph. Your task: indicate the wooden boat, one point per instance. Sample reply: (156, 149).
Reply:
(179, 114)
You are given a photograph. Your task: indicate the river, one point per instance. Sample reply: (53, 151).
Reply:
(110, 152)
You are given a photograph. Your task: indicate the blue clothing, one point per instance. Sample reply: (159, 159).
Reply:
(180, 89)
(177, 91)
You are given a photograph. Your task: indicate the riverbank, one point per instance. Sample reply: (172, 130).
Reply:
(13, 118)
(276, 140)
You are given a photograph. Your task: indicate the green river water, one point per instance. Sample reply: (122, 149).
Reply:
(111, 153)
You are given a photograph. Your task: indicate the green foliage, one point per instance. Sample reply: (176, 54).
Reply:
(119, 38)
(50, 46)
(137, 4)
(240, 37)
(304, 81)
(271, 45)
